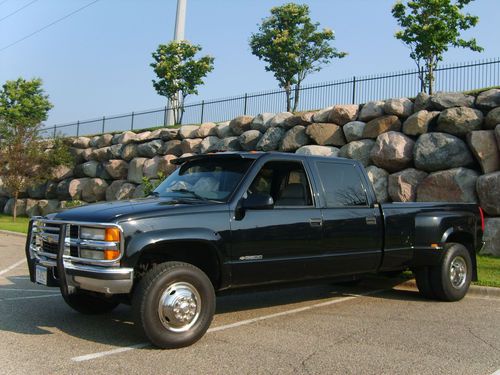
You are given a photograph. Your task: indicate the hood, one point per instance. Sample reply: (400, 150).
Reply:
(116, 210)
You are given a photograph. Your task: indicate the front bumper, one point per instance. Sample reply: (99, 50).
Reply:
(71, 272)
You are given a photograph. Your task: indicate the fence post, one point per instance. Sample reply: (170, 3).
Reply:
(55, 129)
(103, 121)
(77, 128)
(245, 107)
(165, 116)
(354, 90)
(132, 122)
(422, 80)
(202, 108)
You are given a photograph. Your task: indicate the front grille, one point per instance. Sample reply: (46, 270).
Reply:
(51, 248)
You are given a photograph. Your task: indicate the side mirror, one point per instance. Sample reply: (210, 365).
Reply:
(257, 201)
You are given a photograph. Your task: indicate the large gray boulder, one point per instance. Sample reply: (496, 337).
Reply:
(294, 139)
(261, 122)
(484, 147)
(47, 206)
(326, 134)
(459, 120)
(421, 102)
(32, 208)
(393, 151)
(102, 173)
(452, 185)
(206, 129)
(135, 170)
(304, 118)
(190, 146)
(403, 185)
(249, 139)
(271, 139)
(95, 190)
(163, 134)
(488, 99)
(353, 130)
(371, 110)
(125, 138)
(174, 146)
(115, 151)
(229, 144)
(77, 154)
(492, 118)
(117, 169)
(81, 142)
(51, 191)
(3, 202)
(103, 140)
(224, 130)
(497, 135)
(378, 178)
(342, 114)
(37, 191)
(315, 150)
(62, 172)
(488, 190)
(322, 115)
(444, 100)
(150, 149)
(401, 107)
(20, 207)
(119, 190)
(491, 237)
(358, 150)
(90, 168)
(279, 119)
(165, 165)
(150, 167)
(240, 124)
(188, 131)
(209, 144)
(419, 122)
(438, 151)
(129, 151)
(381, 125)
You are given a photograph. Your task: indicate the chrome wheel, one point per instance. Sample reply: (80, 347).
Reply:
(458, 272)
(179, 307)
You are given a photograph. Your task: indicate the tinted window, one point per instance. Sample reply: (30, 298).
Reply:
(342, 185)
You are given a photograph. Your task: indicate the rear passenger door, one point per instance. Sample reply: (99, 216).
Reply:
(352, 227)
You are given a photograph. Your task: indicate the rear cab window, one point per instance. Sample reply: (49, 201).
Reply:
(341, 185)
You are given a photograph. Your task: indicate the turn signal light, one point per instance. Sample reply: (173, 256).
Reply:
(111, 254)
(112, 235)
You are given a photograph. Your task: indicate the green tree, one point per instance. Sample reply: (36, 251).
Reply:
(429, 28)
(179, 72)
(25, 159)
(292, 47)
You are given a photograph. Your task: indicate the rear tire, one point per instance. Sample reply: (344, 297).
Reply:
(451, 279)
(174, 304)
(88, 304)
(422, 277)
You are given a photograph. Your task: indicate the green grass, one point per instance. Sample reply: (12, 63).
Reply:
(21, 224)
(488, 270)
(488, 267)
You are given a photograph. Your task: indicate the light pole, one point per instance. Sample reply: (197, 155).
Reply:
(180, 23)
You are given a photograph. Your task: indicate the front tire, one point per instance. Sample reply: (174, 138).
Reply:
(88, 304)
(451, 279)
(174, 304)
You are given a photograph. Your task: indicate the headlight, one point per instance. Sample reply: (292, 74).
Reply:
(92, 233)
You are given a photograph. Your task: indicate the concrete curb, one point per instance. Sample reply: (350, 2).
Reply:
(11, 233)
(476, 290)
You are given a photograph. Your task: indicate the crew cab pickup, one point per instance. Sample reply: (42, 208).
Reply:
(230, 220)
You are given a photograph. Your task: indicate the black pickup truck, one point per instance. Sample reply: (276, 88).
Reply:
(230, 220)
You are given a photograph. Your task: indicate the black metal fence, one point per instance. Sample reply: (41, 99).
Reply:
(356, 90)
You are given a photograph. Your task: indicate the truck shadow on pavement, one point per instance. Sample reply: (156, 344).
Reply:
(44, 313)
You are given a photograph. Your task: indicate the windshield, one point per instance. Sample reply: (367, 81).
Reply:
(205, 179)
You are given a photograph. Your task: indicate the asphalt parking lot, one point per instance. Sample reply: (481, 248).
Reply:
(315, 329)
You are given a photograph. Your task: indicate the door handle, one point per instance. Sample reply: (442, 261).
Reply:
(316, 222)
(371, 220)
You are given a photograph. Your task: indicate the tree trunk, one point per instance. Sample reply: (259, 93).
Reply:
(14, 209)
(430, 75)
(296, 97)
(288, 99)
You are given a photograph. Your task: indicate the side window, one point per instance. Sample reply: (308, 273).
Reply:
(342, 185)
(285, 182)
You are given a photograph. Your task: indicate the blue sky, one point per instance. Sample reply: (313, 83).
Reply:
(96, 62)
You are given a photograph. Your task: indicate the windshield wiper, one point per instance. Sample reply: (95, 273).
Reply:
(154, 194)
(196, 195)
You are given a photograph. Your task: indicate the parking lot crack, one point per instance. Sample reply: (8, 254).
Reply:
(481, 339)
